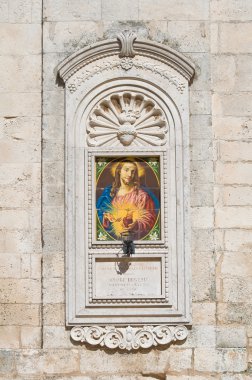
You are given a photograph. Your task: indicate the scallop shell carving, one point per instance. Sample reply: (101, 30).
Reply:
(126, 119)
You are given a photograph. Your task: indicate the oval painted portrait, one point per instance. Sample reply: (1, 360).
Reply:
(127, 198)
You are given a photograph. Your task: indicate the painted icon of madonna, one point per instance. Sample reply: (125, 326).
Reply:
(127, 198)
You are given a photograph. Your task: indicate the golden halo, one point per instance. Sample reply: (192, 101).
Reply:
(140, 167)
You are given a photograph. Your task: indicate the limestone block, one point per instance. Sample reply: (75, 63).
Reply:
(53, 103)
(201, 336)
(231, 10)
(202, 240)
(200, 102)
(50, 63)
(54, 315)
(189, 36)
(188, 377)
(202, 172)
(234, 217)
(200, 127)
(131, 363)
(237, 264)
(67, 37)
(201, 195)
(57, 296)
(53, 151)
(20, 39)
(234, 313)
(19, 314)
(201, 149)
(30, 337)
(238, 240)
(13, 219)
(233, 173)
(20, 73)
(202, 77)
(205, 359)
(20, 104)
(203, 313)
(27, 362)
(181, 359)
(112, 28)
(19, 151)
(9, 265)
(25, 266)
(232, 128)
(56, 337)
(243, 73)
(237, 289)
(23, 241)
(235, 151)
(36, 11)
(173, 10)
(223, 70)
(214, 38)
(53, 173)
(237, 104)
(9, 337)
(7, 362)
(63, 10)
(242, 43)
(21, 128)
(20, 11)
(127, 10)
(53, 127)
(231, 360)
(157, 30)
(20, 290)
(202, 217)
(53, 217)
(237, 196)
(203, 279)
(53, 195)
(53, 264)
(60, 361)
(53, 240)
(219, 240)
(4, 11)
(36, 266)
(231, 337)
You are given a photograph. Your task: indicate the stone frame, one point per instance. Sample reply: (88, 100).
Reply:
(89, 75)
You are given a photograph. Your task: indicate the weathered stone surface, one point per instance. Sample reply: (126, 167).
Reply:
(189, 36)
(30, 337)
(126, 11)
(195, 10)
(62, 10)
(54, 314)
(239, 312)
(58, 295)
(228, 337)
(237, 264)
(232, 217)
(203, 313)
(7, 362)
(235, 104)
(238, 240)
(235, 151)
(202, 217)
(20, 314)
(25, 291)
(242, 41)
(203, 284)
(237, 289)
(234, 173)
(231, 10)
(232, 127)
(9, 337)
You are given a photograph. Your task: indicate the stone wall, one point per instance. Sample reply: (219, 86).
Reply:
(217, 36)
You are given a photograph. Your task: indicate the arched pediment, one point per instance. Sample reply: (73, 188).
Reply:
(145, 48)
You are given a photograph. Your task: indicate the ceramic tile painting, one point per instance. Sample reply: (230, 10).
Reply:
(128, 198)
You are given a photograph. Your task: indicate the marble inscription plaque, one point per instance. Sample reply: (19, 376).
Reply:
(128, 278)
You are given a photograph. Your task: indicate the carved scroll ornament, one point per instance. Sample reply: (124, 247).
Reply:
(129, 338)
(126, 118)
(127, 39)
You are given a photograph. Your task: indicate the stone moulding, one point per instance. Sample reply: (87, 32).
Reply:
(107, 48)
(129, 338)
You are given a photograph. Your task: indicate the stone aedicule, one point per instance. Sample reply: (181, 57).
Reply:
(127, 116)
